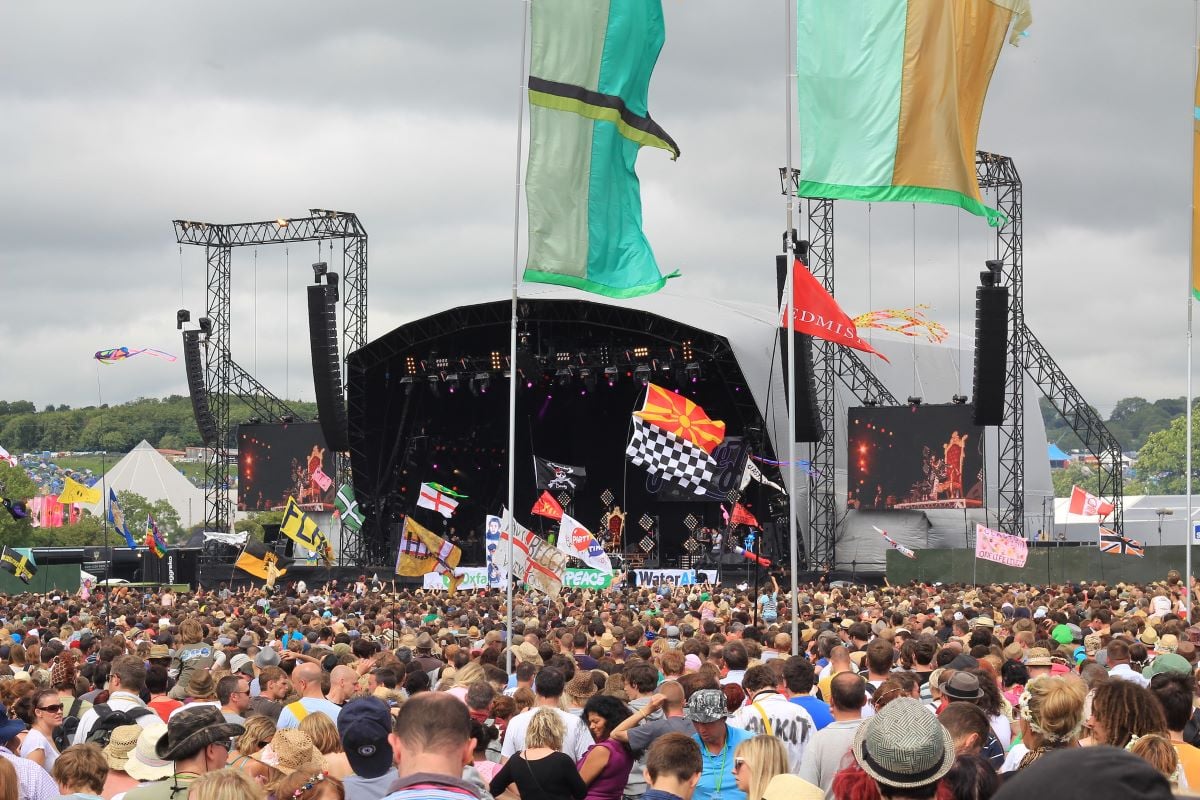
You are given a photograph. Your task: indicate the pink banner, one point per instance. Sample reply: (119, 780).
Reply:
(1000, 547)
(322, 480)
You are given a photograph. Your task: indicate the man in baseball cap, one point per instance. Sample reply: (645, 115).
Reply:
(365, 726)
(707, 711)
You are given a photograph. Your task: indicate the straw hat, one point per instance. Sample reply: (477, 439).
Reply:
(526, 651)
(143, 763)
(120, 745)
(607, 640)
(792, 787)
(293, 749)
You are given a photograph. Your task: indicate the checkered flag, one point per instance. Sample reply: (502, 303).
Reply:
(677, 460)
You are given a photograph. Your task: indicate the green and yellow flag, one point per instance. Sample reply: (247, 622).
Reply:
(302, 529)
(589, 77)
(891, 93)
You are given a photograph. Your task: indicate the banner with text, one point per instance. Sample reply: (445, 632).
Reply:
(476, 578)
(675, 577)
(1000, 547)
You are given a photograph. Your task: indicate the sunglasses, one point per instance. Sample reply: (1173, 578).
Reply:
(226, 743)
(738, 763)
(51, 709)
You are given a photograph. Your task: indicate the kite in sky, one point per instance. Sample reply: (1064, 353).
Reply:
(115, 354)
(905, 321)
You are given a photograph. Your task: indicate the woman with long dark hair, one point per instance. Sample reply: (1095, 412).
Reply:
(606, 766)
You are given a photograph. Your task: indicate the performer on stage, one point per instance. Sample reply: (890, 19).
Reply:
(955, 453)
(614, 523)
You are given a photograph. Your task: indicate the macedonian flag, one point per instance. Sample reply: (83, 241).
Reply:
(675, 413)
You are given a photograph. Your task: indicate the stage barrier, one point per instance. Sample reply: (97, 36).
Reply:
(1044, 565)
(49, 577)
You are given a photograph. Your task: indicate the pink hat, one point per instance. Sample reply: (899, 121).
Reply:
(691, 663)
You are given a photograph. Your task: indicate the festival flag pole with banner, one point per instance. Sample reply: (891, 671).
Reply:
(672, 436)
(589, 78)
(576, 540)
(536, 563)
(439, 498)
(741, 516)
(117, 517)
(347, 507)
(555, 477)
(303, 530)
(752, 472)
(20, 564)
(547, 506)
(1086, 504)
(817, 314)
(890, 97)
(262, 562)
(1115, 544)
(1003, 548)
(422, 551)
(75, 492)
(901, 549)
(154, 539)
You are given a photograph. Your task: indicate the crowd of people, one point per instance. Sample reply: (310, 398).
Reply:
(655, 693)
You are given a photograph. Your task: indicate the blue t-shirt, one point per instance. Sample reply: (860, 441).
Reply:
(713, 775)
(817, 709)
(312, 705)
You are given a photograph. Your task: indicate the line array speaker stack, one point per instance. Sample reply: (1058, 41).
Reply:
(326, 365)
(991, 347)
(808, 416)
(195, 378)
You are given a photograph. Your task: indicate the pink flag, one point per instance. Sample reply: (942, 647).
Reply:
(322, 480)
(1000, 547)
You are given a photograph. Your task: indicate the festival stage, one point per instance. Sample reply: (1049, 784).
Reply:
(1047, 563)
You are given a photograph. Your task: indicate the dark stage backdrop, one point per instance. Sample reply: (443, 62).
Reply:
(276, 462)
(461, 442)
(926, 456)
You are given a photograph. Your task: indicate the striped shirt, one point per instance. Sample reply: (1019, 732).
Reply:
(34, 783)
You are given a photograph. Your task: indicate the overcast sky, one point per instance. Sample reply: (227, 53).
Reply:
(116, 118)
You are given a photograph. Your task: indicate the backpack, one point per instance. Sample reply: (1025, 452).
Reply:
(108, 719)
(65, 732)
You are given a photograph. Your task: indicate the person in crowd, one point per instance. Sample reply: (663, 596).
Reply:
(80, 772)
(157, 683)
(541, 769)
(126, 682)
(116, 754)
(756, 762)
(483, 735)
(310, 782)
(972, 777)
(767, 711)
(673, 766)
(901, 752)
(826, 753)
(233, 693)
(227, 784)
(433, 743)
(324, 734)
(606, 766)
(968, 726)
(196, 741)
(1088, 772)
(365, 726)
(1157, 750)
(193, 656)
(1051, 715)
(1122, 709)
(1176, 693)
(257, 733)
(706, 710)
(548, 685)
(43, 712)
(800, 678)
(10, 787)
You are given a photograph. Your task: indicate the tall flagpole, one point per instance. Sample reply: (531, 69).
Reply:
(512, 336)
(1193, 285)
(793, 532)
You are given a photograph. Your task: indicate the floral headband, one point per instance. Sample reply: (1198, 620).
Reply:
(313, 781)
(1027, 714)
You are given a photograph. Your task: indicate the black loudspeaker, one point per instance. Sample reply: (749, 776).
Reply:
(991, 353)
(326, 366)
(808, 416)
(195, 379)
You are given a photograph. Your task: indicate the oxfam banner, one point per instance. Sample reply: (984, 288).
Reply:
(474, 578)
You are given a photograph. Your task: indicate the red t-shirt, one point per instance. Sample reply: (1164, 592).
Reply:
(163, 706)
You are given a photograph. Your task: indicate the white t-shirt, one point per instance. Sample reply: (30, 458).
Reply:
(118, 701)
(576, 740)
(34, 741)
(789, 722)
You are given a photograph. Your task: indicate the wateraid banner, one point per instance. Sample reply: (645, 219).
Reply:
(675, 577)
(1000, 547)
(476, 578)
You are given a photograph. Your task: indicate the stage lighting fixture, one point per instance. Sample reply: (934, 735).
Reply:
(410, 364)
(641, 352)
(643, 373)
(433, 385)
(564, 376)
(870, 403)
(960, 399)
(611, 374)
(254, 421)
(692, 370)
(206, 326)
(588, 376)
(497, 360)
(687, 350)
(407, 382)
(480, 383)
(319, 269)
(452, 382)
(441, 363)
(990, 277)
(182, 316)
(914, 401)
(562, 357)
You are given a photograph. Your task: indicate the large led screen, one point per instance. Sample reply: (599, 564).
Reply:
(922, 456)
(276, 462)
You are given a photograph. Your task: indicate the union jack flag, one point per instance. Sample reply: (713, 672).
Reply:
(1115, 544)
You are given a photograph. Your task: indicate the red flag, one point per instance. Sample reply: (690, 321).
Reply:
(819, 315)
(741, 516)
(547, 506)
(1087, 504)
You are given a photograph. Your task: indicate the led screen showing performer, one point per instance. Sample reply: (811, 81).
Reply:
(914, 457)
(276, 462)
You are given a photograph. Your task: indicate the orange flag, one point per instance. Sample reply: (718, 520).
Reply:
(819, 315)
(675, 413)
(547, 506)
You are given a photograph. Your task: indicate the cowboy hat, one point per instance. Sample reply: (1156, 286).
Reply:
(193, 729)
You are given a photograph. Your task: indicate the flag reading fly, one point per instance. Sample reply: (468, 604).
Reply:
(753, 472)
(1087, 504)
(302, 529)
(347, 507)
(576, 540)
(589, 77)
(673, 437)
(555, 477)
(890, 97)
(1003, 548)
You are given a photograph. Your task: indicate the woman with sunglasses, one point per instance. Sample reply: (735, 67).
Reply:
(43, 711)
(756, 761)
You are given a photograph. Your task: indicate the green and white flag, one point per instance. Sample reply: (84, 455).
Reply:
(347, 507)
(589, 77)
